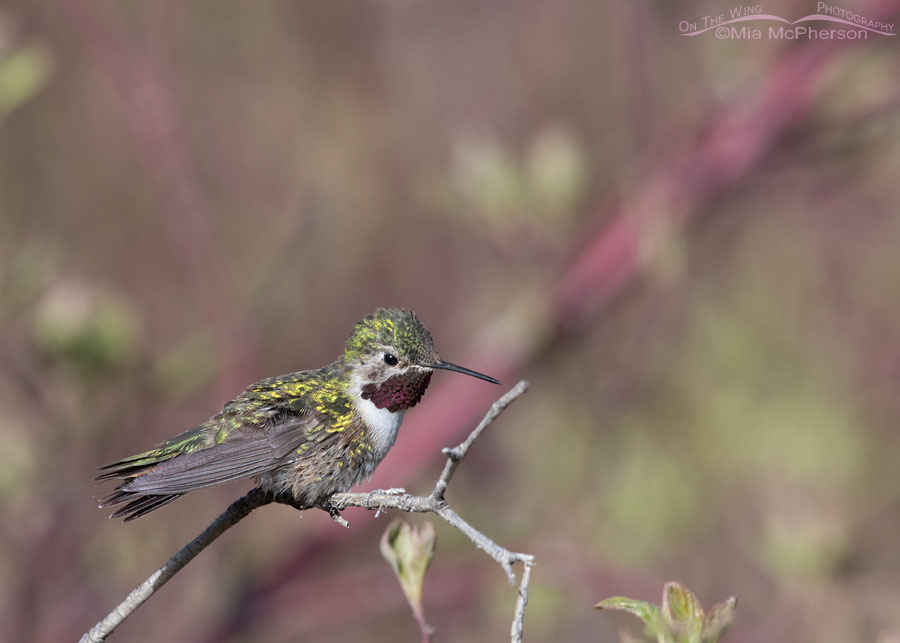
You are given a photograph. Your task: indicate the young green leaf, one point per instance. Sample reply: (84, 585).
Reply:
(719, 619)
(682, 613)
(409, 551)
(647, 612)
(680, 619)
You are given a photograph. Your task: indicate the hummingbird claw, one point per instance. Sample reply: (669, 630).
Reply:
(341, 521)
(334, 513)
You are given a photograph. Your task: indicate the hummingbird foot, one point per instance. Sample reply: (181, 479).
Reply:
(334, 512)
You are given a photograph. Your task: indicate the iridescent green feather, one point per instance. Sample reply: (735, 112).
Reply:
(191, 440)
(399, 328)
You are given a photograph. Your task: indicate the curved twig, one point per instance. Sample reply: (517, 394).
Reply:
(237, 511)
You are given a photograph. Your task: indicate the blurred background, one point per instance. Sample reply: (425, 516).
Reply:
(688, 246)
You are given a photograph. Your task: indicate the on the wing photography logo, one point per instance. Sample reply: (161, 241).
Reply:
(748, 22)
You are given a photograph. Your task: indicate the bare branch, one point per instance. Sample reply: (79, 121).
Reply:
(374, 500)
(518, 623)
(458, 452)
(237, 511)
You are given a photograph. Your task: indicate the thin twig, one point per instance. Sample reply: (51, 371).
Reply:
(237, 511)
(457, 453)
(375, 500)
(378, 500)
(518, 623)
(425, 630)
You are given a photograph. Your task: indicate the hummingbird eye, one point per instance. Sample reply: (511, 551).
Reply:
(390, 360)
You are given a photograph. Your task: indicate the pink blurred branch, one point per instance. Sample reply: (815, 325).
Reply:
(735, 143)
(147, 106)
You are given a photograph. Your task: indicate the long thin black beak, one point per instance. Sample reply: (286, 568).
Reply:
(447, 366)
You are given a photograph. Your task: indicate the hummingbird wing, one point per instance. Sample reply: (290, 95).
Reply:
(155, 478)
(241, 457)
(258, 431)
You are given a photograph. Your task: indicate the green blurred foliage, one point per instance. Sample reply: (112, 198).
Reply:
(24, 71)
(680, 619)
(188, 366)
(82, 326)
(506, 195)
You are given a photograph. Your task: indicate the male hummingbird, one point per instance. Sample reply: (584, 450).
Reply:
(311, 433)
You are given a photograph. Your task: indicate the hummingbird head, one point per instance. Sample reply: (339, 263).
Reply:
(392, 356)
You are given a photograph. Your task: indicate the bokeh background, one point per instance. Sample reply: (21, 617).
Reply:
(688, 245)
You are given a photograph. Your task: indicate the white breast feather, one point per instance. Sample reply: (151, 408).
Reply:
(383, 426)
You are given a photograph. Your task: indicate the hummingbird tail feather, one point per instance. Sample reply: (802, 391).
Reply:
(137, 505)
(127, 470)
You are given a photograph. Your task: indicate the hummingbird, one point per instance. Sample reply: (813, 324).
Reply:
(310, 434)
